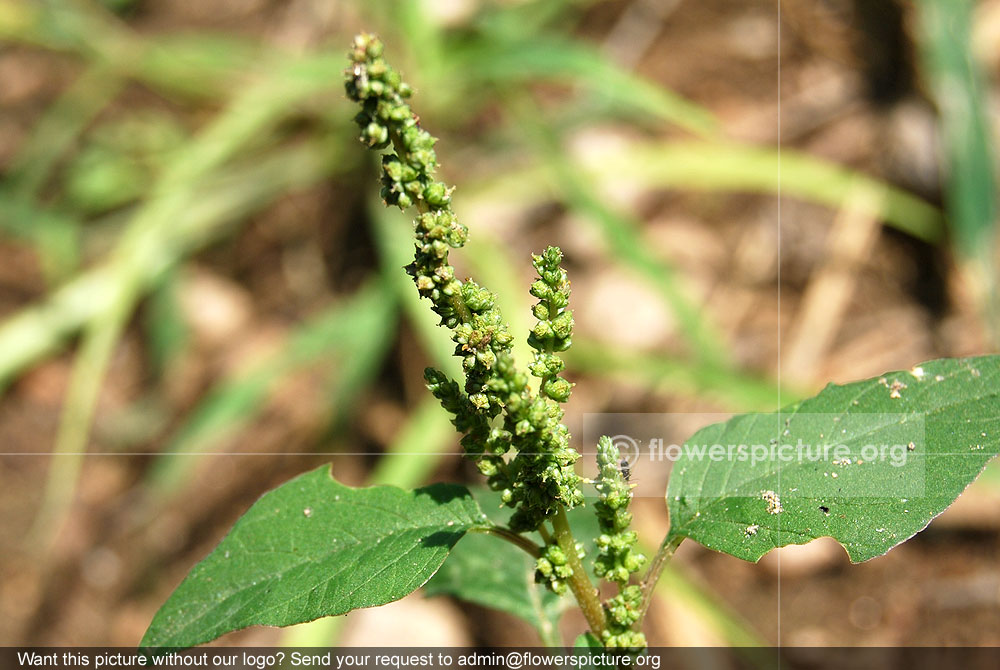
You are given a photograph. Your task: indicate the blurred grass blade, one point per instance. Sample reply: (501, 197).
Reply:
(420, 34)
(372, 332)
(63, 26)
(510, 63)
(959, 91)
(59, 126)
(194, 66)
(717, 166)
(417, 449)
(738, 390)
(508, 22)
(198, 66)
(323, 632)
(54, 236)
(146, 242)
(623, 236)
(41, 330)
(733, 167)
(359, 329)
(168, 334)
(676, 586)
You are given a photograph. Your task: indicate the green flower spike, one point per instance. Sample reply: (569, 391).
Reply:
(623, 612)
(543, 469)
(495, 409)
(616, 558)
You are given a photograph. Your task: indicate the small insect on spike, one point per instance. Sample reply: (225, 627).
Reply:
(626, 471)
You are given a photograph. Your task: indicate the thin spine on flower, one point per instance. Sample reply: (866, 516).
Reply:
(540, 478)
(616, 559)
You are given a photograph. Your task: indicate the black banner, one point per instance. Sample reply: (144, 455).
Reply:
(507, 658)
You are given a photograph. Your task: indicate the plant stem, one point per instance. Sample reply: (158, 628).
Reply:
(506, 534)
(659, 562)
(579, 583)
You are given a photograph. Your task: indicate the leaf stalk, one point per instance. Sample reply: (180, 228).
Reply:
(656, 566)
(517, 540)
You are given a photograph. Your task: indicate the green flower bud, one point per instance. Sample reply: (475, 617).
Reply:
(542, 330)
(437, 194)
(394, 81)
(633, 562)
(376, 135)
(541, 311)
(476, 298)
(457, 235)
(392, 168)
(558, 389)
(541, 290)
(366, 47)
(556, 555)
(487, 358)
(552, 568)
(487, 468)
(562, 325)
(377, 68)
(373, 48)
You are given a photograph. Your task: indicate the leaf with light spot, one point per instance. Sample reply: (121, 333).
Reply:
(314, 547)
(869, 464)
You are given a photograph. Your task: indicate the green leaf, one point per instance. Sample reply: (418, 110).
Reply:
(586, 647)
(312, 548)
(891, 453)
(586, 642)
(492, 573)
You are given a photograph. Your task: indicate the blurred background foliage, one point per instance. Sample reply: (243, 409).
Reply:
(200, 295)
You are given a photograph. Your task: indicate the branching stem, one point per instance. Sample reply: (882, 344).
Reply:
(579, 583)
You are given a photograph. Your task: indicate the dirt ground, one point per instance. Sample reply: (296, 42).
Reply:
(904, 301)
